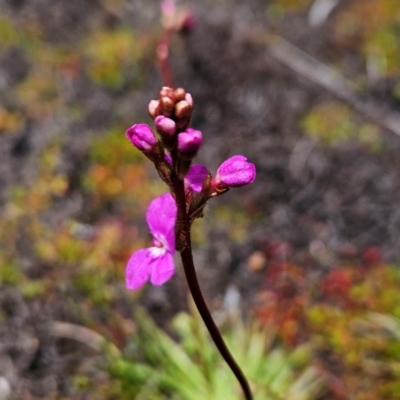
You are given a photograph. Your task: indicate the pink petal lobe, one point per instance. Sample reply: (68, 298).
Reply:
(195, 177)
(161, 217)
(163, 268)
(138, 269)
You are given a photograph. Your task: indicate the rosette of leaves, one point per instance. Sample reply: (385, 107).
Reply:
(157, 367)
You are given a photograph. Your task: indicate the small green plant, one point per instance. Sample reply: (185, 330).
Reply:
(155, 366)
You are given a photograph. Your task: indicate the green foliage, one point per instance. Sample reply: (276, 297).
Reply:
(233, 220)
(90, 257)
(334, 122)
(10, 275)
(113, 57)
(287, 6)
(193, 368)
(372, 28)
(117, 174)
(13, 35)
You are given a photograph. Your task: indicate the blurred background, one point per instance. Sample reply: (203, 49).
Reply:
(300, 268)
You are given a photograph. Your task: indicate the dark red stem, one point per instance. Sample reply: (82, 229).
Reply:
(184, 224)
(194, 287)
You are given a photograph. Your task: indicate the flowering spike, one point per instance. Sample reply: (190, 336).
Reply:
(142, 137)
(234, 172)
(191, 186)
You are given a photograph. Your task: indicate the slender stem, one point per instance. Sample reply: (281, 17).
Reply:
(184, 223)
(163, 58)
(194, 287)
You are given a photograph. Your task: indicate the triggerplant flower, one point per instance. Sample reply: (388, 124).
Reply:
(235, 171)
(141, 136)
(155, 263)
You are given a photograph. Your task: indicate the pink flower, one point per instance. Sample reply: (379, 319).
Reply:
(235, 171)
(155, 263)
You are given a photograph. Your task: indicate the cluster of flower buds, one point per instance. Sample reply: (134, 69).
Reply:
(172, 111)
(171, 114)
(172, 156)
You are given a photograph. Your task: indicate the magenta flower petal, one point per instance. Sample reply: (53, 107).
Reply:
(155, 263)
(138, 269)
(236, 171)
(161, 218)
(195, 177)
(162, 269)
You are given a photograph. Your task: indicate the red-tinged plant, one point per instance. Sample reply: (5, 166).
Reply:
(336, 286)
(350, 317)
(283, 300)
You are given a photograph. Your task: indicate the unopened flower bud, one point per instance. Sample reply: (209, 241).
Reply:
(166, 91)
(183, 109)
(189, 143)
(167, 104)
(235, 171)
(189, 23)
(189, 99)
(142, 137)
(179, 94)
(153, 108)
(168, 6)
(165, 126)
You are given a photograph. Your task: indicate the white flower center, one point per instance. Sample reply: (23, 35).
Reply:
(157, 251)
(160, 246)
